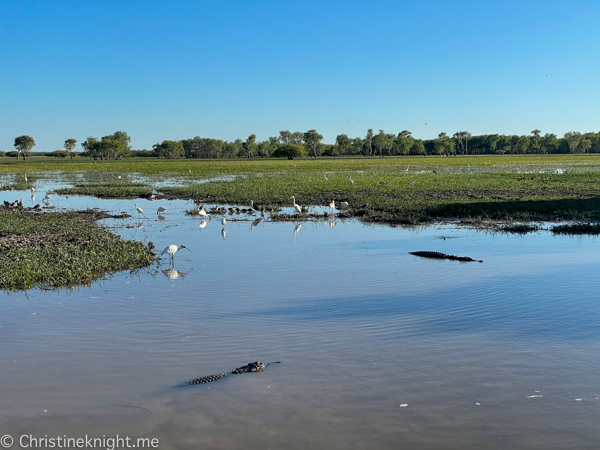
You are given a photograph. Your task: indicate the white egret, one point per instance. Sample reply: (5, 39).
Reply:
(25, 178)
(139, 210)
(332, 205)
(160, 210)
(32, 189)
(325, 176)
(47, 198)
(223, 221)
(171, 250)
(297, 207)
(344, 203)
(351, 182)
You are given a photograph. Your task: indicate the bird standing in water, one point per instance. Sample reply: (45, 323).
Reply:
(139, 210)
(171, 250)
(297, 207)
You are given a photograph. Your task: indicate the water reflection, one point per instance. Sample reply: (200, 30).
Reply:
(203, 224)
(296, 230)
(255, 223)
(223, 233)
(173, 274)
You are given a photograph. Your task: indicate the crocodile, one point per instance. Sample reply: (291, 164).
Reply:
(438, 255)
(255, 366)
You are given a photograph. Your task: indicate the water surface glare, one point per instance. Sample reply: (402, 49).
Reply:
(380, 349)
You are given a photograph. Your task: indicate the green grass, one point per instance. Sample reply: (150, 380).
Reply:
(52, 250)
(470, 189)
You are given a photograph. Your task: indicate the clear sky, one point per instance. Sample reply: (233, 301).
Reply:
(226, 69)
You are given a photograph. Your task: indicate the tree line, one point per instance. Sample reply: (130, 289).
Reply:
(297, 144)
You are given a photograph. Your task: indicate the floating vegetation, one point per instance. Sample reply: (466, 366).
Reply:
(577, 228)
(520, 228)
(52, 250)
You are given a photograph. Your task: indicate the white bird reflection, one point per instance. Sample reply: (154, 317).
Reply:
(203, 224)
(33, 198)
(223, 232)
(296, 229)
(173, 274)
(332, 224)
(161, 217)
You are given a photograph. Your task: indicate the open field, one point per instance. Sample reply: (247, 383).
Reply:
(416, 189)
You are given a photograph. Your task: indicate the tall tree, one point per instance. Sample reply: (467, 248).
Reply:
(342, 141)
(404, 142)
(24, 144)
(285, 136)
(124, 139)
(250, 145)
(369, 140)
(312, 141)
(573, 138)
(70, 145)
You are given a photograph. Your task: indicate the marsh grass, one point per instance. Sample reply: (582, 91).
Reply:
(52, 250)
(416, 190)
(577, 228)
(122, 190)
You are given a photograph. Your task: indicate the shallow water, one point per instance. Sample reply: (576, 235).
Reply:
(379, 349)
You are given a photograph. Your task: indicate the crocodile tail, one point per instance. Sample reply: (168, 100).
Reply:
(208, 379)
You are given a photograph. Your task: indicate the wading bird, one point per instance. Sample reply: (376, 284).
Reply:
(351, 182)
(171, 250)
(223, 221)
(297, 207)
(255, 207)
(139, 210)
(160, 210)
(202, 212)
(325, 176)
(32, 189)
(332, 205)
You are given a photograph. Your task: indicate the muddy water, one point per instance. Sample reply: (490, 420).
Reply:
(379, 349)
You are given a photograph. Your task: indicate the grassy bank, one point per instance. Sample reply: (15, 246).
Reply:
(51, 250)
(391, 190)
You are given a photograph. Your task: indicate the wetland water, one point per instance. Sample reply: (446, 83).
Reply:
(379, 349)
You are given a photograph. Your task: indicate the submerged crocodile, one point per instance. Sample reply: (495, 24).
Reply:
(438, 255)
(250, 367)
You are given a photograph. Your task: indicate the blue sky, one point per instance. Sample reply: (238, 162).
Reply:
(227, 69)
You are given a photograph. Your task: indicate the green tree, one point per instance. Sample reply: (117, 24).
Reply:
(417, 148)
(443, 145)
(535, 142)
(124, 139)
(250, 146)
(369, 140)
(24, 144)
(573, 138)
(549, 143)
(290, 151)
(88, 147)
(169, 149)
(404, 142)
(70, 145)
(342, 141)
(285, 136)
(312, 141)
